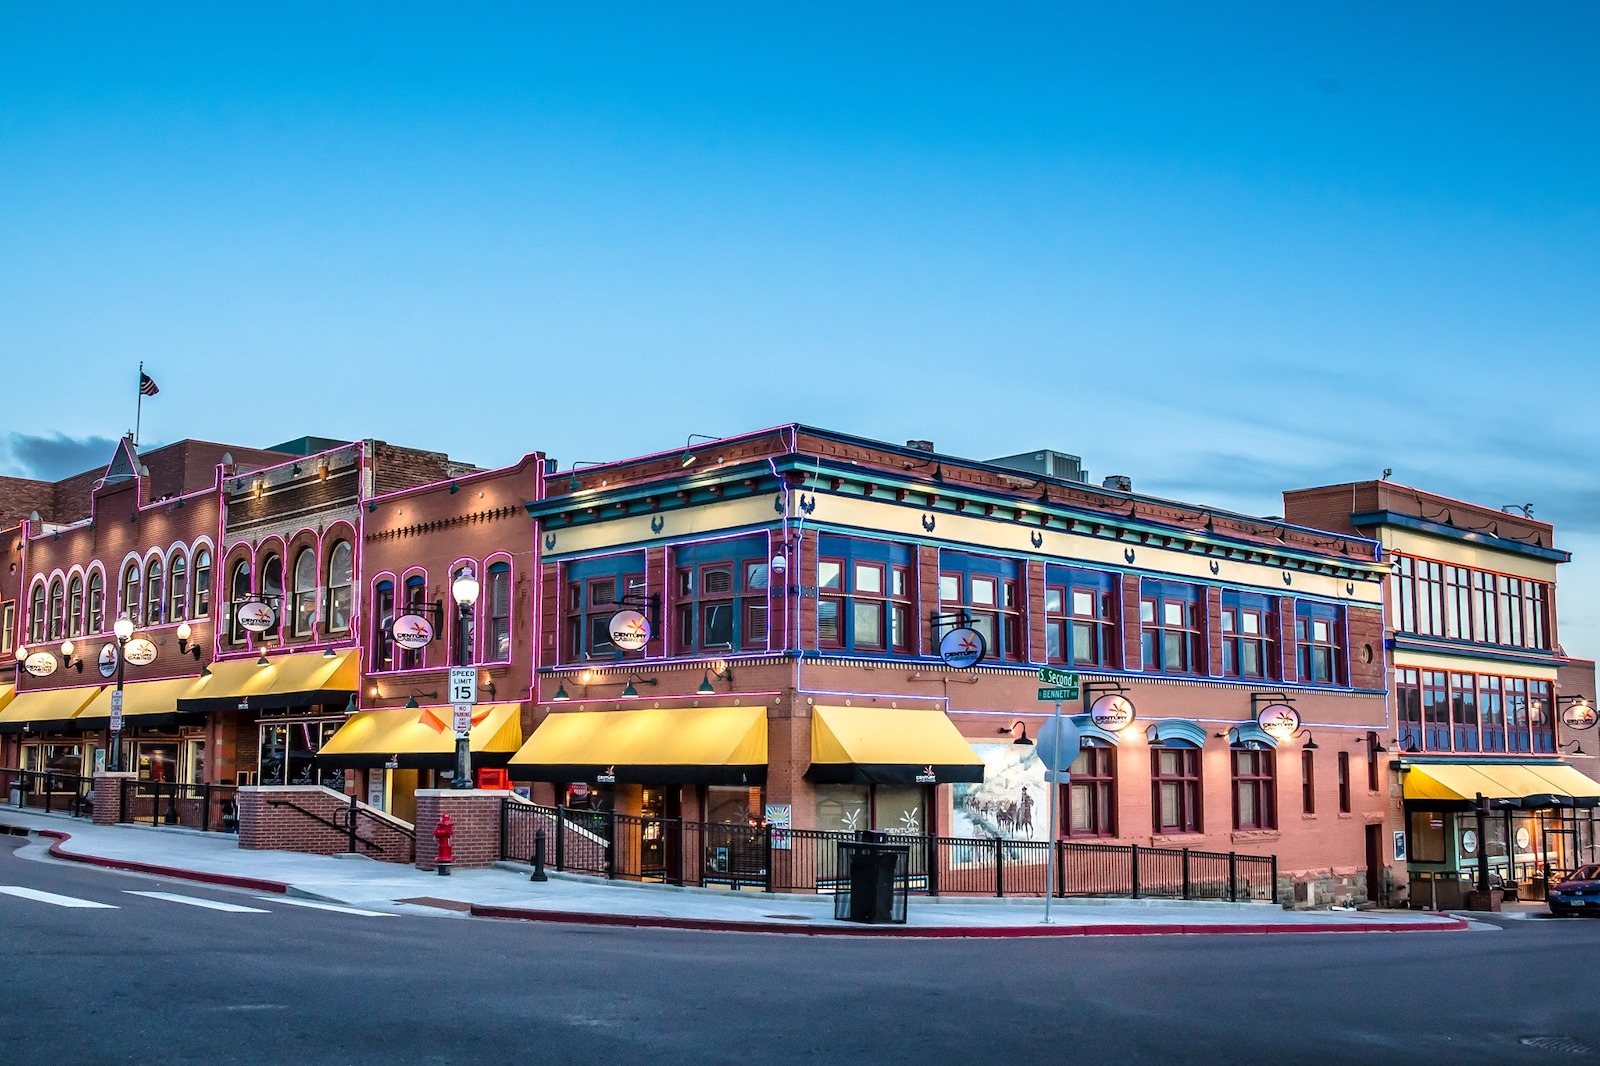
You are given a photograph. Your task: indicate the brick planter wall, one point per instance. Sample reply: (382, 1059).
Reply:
(268, 819)
(108, 796)
(476, 814)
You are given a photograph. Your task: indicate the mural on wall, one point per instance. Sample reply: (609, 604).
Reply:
(1010, 801)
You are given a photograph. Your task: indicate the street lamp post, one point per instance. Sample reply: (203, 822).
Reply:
(464, 589)
(122, 629)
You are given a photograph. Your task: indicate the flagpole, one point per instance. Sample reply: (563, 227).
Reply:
(138, 410)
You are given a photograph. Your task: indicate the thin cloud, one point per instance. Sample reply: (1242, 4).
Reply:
(52, 457)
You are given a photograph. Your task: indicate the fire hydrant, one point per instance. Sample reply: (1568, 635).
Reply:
(442, 833)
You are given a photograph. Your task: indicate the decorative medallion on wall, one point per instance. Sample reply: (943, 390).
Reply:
(549, 542)
(777, 503)
(1036, 539)
(1288, 578)
(658, 523)
(1216, 568)
(1349, 588)
(807, 503)
(1128, 554)
(928, 522)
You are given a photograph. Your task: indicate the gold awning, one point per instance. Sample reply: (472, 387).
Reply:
(139, 699)
(650, 746)
(889, 746)
(45, 709)
(7, 694)
(1507, 784)
(423, 738)
(286, 681)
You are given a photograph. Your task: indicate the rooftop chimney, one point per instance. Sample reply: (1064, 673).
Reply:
(920, 445)
(1119, 482)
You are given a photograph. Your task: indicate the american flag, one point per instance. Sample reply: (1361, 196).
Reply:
(147, 385)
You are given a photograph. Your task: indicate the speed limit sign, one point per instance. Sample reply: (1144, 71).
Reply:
(463, 684)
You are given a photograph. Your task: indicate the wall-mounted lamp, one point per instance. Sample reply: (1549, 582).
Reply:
(688, 456)
(262, 660)
(573, 484)
(560, 693)
(1310, 744)
(1020, 728)
(184, 633)
(67, 660)
(412, 704)
(1374, 745)
(1577, 748)
(294, 471)
(719, 670)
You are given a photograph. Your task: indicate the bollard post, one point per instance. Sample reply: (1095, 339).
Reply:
(1233, 876)
(1187, 892)
(538, 856)
(352, 826)
(561, 837)
(1134, 864)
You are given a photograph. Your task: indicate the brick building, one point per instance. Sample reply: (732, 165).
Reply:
(751, 628)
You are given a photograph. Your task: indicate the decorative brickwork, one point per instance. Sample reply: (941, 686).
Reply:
(476, 814)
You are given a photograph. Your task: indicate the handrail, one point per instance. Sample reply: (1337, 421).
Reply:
(350, 819)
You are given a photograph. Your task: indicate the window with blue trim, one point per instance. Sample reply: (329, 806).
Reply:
(864, 600)
(988, 593)
(1319, 644)
(1172, 627)
(382, 620)
(1080, 617)
(720, 601)
(593, 589)
(415, 596)
(1249, 636)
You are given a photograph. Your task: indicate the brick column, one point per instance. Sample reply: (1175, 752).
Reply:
(108, 796)
(476, 815)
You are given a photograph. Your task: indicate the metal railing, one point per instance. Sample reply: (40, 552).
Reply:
(48, 791)
(710, 854)
(347, 820)
(210, 808)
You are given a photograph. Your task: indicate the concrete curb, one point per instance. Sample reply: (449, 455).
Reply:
(945, 932)
(254, 884)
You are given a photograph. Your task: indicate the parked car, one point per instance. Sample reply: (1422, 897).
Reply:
(1577, 892)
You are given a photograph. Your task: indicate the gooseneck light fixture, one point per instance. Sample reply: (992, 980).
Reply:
(688, 457)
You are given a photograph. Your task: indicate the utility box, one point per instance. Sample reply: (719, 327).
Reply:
(874, 886)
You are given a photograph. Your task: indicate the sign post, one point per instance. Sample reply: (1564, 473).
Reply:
(463, 697)
(1059, 738)
(116, 710)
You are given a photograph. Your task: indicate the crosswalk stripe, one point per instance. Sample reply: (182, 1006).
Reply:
(196, 901)
(326, 907)
(53, 899)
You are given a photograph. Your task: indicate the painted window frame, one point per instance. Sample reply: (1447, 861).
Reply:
(1310, 650)
(497, 610)
(1342, 768)
(1160, 638)
(1254, 771)
(132, 592)
(155, 588)
(341, 593)
(1001, 622)
(94, 618)
(412, 591)
(201, 587)
(1308, 781)
(383, 616)
(690, 565)
(57, 610)
(1085, 638)
(303, 606)
(582, 580)
(848, 603)
(1092, 792)
(1239, 611)
(177, 586)
(1187, 783)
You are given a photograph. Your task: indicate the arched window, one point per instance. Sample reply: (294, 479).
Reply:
(272, 590)
(497, 609)
(177, 588)
(465, 622)
(238, 592)
(382, 619)
(154, 587)
(130, 593)
(75, 606)
(305, 592)
(97, 603)
(57, 609)
(36, 615)
(341, 581)
(202, 584)
(416, 592)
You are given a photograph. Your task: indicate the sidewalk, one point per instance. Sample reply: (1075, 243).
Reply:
(506, 892)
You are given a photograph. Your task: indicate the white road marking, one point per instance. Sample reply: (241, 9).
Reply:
(196, 901)
(326, 907)
(53, 899)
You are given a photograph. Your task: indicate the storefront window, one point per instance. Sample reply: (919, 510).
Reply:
(288, 751)
(1426, 843)
(842, 808)
(156, 762)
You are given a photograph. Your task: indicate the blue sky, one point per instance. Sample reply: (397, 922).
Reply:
(1223, 249)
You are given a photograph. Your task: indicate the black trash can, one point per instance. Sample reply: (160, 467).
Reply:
(872, 889)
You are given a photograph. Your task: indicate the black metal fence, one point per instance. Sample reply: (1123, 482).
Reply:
(207, 807)
(47, 790)
(710, 854)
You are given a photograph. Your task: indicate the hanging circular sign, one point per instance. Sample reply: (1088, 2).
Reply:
(411, 631)
(1112, 712)
(1469, 842)
(255, 615)
(629, 630)
(40, 664)
(1579, 716)
(108, 659)
(962, 647)
(1280, 720)
(1524, 838)
(140, 652)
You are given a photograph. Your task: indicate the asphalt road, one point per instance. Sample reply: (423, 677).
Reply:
(162, 980)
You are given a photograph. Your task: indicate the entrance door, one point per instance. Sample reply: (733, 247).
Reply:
(652, 845)
(1374, 862)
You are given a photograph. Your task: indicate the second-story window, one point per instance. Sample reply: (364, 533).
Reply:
(720, 596)
(497, 613)
(36, 615)
(1171, 617)
(304, 609)
(178, 588)
(987, 591)
(1435, 711)
(272, 591)
(97, 603)
(1464, 712)
(58, 618)
(863, 596)
(1319, 640)
(202, 584)
(1080, 617)
(130, 594)
(593, 590)
(8, 621)
(341, 585)
(1492, 711)
(238, 593)
(415, 593)
(154, 590)
(75, 606)
(1249, 636)
(1408, 708)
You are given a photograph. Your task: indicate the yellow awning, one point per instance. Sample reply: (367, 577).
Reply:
(138, 698)
(416, 738)
(7, 694)
(889, 746)
(286, 681)
(1541, 784)
(650, 746)
(46, 709)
